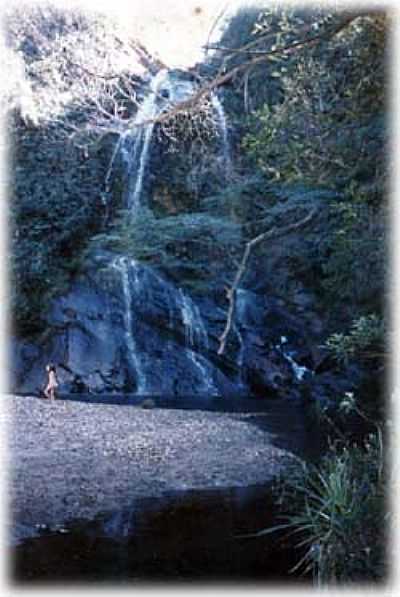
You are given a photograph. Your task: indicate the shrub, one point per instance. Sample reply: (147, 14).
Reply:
(343, 517)
(365, 339)
(191, 246)
(337, 512)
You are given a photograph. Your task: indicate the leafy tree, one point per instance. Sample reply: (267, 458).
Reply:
(329, 132)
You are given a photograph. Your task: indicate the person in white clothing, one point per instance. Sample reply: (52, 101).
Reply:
(52, 383)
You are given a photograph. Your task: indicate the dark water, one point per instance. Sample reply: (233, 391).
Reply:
(192, 536)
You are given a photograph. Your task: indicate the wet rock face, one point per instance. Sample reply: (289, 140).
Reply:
(125, 328)
(130, 330)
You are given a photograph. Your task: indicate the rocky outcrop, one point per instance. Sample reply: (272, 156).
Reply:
(123, 328)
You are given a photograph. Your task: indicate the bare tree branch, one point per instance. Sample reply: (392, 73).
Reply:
(223, 78)
(271, 234)
(305, 41)
(107, 100)
(91, 73)
(149, 61)
(215, 23)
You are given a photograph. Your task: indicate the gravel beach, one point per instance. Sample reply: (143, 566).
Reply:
(69, 460)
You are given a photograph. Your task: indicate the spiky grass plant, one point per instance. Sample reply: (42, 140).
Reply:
(337, 515)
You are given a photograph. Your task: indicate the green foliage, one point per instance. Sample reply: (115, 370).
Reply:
(338, 89)
(238, 32)
(354, 254)
(59, 63)
(365, 338)
(343, 517)
(255, 28)
(244, 200)
(192, 246)
(337, 512)
(329, 132)
(54, 207)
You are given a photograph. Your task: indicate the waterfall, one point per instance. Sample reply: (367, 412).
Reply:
(137, 155)
(240, 354)
(199, 362)
(242, 301)
(134, 144)
(122, 265)
(116, 151)
(165, 92)
(222, 125)
(195, 331)
(299, 370)
(196, 336)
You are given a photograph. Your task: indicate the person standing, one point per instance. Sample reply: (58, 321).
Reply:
(52, 383)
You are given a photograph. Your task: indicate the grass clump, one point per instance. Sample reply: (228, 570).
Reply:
(337, 514)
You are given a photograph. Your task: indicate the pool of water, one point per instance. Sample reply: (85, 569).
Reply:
(193, 536)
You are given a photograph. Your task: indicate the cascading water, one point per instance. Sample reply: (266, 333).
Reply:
(164, 93)
(134, 143)
(196, 337)
(223, 131)
(299, 370)
(208, 386)
(114, 156)
(241, 314)
(195, 331)
(123, 266)
(134, 148)
(240, 355)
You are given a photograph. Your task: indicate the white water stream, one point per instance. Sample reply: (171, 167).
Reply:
(222, 129)
(195, 331)
(123, 265)
(196, 337)
(134, 148)
(134, 143)
(299, 370)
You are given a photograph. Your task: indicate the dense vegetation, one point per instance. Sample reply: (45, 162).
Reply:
(53, 102)
(319, 131)
(319, 123)
(309, 132)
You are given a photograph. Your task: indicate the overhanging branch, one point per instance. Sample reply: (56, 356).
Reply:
(331, 32)
(109, 119)
(271, 234)
(223, 78)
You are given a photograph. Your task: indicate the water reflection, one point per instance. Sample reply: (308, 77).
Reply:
(187, 536)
